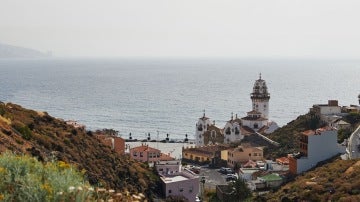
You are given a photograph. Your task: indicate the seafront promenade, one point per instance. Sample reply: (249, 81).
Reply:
(174, 149)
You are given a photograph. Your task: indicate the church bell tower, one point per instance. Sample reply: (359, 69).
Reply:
(260, 97)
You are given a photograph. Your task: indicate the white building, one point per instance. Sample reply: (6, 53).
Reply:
(184, 183)
(260, 98)
(332, 108)
(168, 167)
(201, 127)
(257, 120)
(315, 146)
(232, 130)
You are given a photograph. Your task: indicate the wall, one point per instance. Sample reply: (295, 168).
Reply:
(168, 167)
(320, 148)
(240, 157)
(190, 188)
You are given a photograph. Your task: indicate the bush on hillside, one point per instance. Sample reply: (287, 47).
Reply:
(23, 178)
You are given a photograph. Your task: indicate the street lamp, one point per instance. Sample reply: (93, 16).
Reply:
(202, 181)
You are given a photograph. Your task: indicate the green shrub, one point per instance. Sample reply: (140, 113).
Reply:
(2, 110)
(23, 130)
(23, 178)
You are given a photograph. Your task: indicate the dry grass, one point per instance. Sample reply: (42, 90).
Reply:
(49, 138)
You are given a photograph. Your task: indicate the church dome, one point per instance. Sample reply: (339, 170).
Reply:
(260, 89)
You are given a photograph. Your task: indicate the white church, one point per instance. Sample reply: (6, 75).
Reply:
(257, 120)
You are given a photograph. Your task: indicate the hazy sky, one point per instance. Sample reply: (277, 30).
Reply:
(182, 28)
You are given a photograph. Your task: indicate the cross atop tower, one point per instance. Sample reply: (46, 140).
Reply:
(260, 75)
(204, 113)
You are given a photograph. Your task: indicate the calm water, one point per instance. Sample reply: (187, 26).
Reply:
(141, 96)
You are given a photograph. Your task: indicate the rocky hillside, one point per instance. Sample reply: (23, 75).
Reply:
(338, 180)
(288, 135)
(47, 138)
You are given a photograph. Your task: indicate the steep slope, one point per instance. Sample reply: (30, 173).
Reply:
(43, 136)
(288, 135)
(338, 180)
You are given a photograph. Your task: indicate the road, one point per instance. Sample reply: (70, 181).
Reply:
(354, 144)
(212, 177)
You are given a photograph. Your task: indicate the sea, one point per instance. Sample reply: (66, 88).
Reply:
(167, 96)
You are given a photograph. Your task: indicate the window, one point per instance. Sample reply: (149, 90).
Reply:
(200, 127)
(213, 134)
(181, 189)
(237, 132)
(169, 191)
(228, 131)
(141, 154)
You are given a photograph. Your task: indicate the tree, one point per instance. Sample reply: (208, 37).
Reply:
(240, 191)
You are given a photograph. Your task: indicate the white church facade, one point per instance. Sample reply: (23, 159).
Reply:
(257, 120)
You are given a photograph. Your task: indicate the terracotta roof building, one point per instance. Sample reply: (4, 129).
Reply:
(144, 153)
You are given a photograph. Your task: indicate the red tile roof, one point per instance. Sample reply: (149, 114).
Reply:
(283, 160)
(144, 148)
(317, 131)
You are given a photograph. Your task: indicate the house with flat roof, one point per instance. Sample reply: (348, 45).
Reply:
(168, 167)
(315, 146)
(184, 183)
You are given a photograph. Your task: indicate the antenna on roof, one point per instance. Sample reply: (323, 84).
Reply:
(204, 113)
(260, 76)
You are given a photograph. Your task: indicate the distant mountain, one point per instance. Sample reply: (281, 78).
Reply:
(9, 51)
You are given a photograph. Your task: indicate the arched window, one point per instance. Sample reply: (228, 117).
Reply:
(237, 132)
(228, 131)
(256, 125)
(200, 127)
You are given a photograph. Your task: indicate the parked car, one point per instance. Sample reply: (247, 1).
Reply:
(224, 170)
(196, 170)
(231, 177)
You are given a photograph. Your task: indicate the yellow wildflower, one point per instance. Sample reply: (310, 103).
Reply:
(63, 164)
(47, 188)
(2, 170)
(1, 197)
